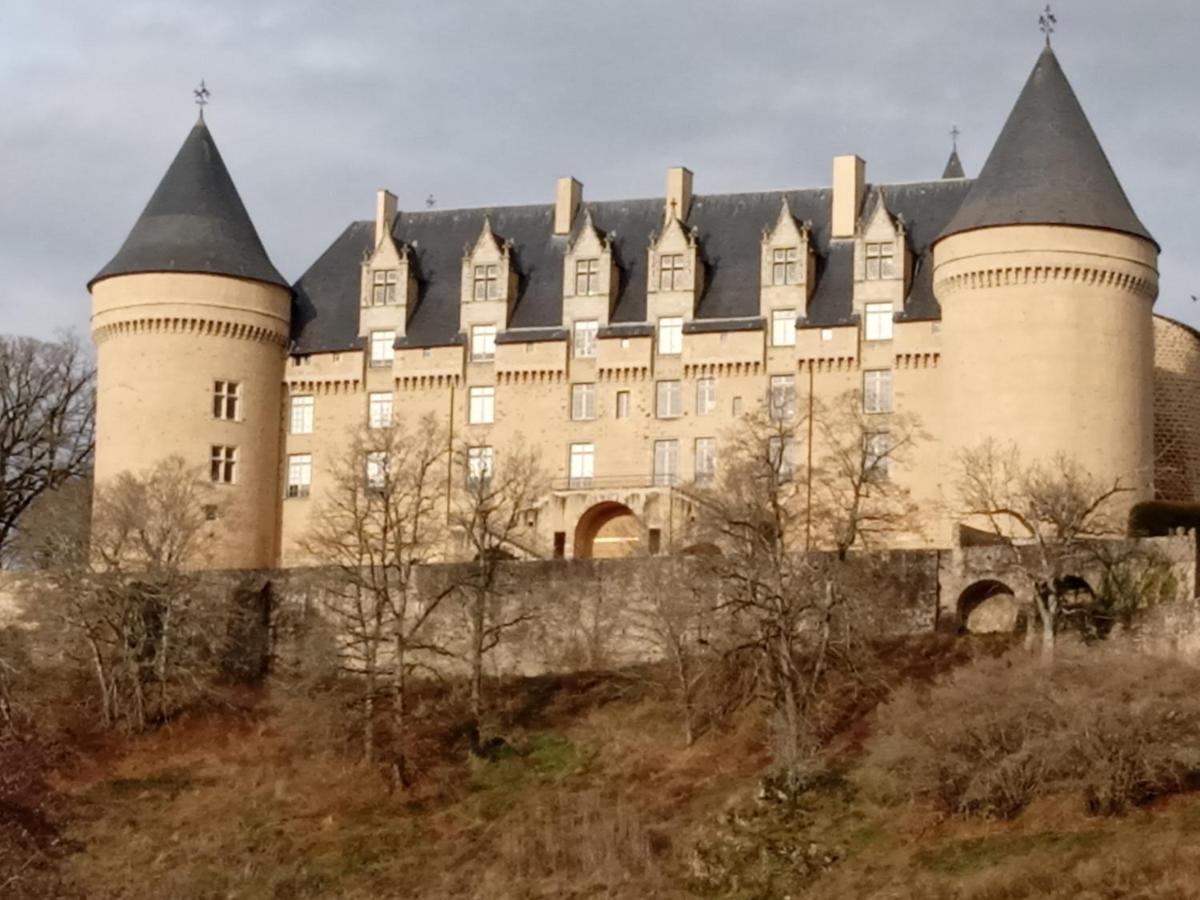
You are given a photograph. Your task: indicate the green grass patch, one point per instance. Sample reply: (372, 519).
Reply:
(977, 854)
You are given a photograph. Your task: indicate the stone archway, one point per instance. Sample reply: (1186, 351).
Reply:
(988, 607)
(608, 530)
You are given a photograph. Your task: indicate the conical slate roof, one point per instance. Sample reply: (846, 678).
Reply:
(1047, 167)
(954, 167)
(195, 222)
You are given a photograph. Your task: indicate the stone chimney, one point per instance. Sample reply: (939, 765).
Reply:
(385, 214)
(568, 193)
(849, 182)
(679, 191)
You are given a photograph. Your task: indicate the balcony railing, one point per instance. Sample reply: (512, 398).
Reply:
(593, 482)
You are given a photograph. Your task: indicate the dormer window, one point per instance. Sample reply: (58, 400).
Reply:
(487, 282)
(384, 289)
(587, 277)
(671, 272)
(881, 260)
(785, 265)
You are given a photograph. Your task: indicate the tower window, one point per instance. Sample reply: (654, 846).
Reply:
(379, 409)
(377, 470)
(706, 396)
(226, 400)
(785, 265)
(877, 391)
(782, 397)
(299, 479)
(481, 405)
(706, 459)
(670, 272)
(670, 336)
(583, 465)
(783, 328)
(483, 343)
(383, 345)
(302, 414)
(583, 401)
(877, 451)
(587, 276)
(666, 462)
(486, 282)
(384, 288)
(622, 404)
(879, 321)
(670, 400)
(480, 464)
(585, 338)
(881, 260)
(223, 464)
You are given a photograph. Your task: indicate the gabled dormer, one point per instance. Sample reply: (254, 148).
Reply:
(675, 270)
(590, 277)
(786, 269)
(388, 284)
(882, 261)
(489, 283)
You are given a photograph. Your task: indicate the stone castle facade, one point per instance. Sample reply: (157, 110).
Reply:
(624, 339)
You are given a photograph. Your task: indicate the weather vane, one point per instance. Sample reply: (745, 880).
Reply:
(1046, 21)
(430, 202)
(954, 133)
(202, 94)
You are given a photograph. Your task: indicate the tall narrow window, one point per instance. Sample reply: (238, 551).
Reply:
(382, 347)
(480, 465)
(226, 400)
(384, 291)
(301, 414)
(376, 469)
(223, 464)
(881, 260)
(486, 282)
(299, 477)
(879, 322)
(585, 338)
(670, 272)
(782, 398)
(587, 276)
(785, 265)
(583, 401)
(669, 400)
(737, 406)
(583, 464)
(706, 459)
(622, 404)
(483, 343)
(706, 396)
(481, 405)
(781, 453)
(379, 409)
(666, 462)
(877, 452)
(783, 328)
(877, 391)
(670, 336)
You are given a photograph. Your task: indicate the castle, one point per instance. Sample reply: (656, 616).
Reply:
(624, 338)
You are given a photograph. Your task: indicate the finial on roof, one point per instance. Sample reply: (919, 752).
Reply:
(1046, 22)
(954, 133)
(202, 94)
(954, 167)
(430, 202)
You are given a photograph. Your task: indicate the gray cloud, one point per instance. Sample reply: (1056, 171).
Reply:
(316, 104)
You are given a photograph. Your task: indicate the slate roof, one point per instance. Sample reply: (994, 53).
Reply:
(195, 222)
(1047, 167)
(729, 229)
(954, 166)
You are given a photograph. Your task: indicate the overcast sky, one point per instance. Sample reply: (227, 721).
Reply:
(316, 104)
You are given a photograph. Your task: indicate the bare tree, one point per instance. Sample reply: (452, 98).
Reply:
(381, 519)
(494, 514)
(46, 424)
(1049, 514)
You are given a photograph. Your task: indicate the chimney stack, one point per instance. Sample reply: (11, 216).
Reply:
(679, 191)
(385, 215)
(568, 193)
(849, 182)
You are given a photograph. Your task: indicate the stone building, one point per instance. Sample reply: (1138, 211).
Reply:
(625, 338)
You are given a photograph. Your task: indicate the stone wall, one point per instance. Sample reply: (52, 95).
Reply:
(1176, 411)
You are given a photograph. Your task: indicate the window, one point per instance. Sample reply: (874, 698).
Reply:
(482, 405)
(583, 401)
(706, 396)
(583, 464)
(226, 396)
(670, 337)
(670, 272)
(585, 338)
(483, 343)
(670, 400)
(877, 451)
(881, 260)
(302, 414)
(737, 406)
(879, 321)
(706, 459)
(666, 462)
(587, 276)
(384, 289)
(827, 334)
(299, 474)
(783, 328)
(379, 409)
(480, 465)
(382, 347)
(223, 464)
(622, 404)
(783, 396)
(877, 391)
(376, 469)
(785, 267)
(781, 454)
(487, 283)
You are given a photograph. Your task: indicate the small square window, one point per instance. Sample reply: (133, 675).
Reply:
(785, 265)
(671, 272)
(486, 283)
(384, 287)
(827, 334)
(881, 260)
(587, 277)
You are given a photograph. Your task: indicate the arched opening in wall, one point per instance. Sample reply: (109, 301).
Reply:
(988, 607)
(703, 549)
(608, 530)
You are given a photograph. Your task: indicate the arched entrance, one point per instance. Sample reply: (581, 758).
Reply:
(608, 530)
(988, 607)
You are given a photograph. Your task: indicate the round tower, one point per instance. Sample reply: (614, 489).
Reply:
(1046, 278)
(191, 325)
